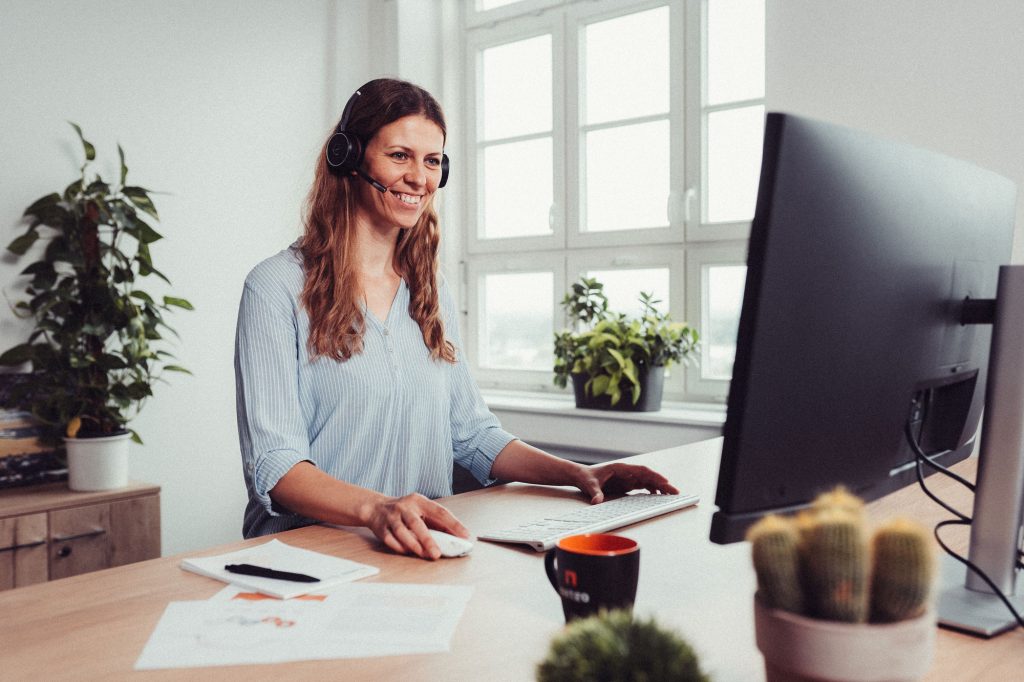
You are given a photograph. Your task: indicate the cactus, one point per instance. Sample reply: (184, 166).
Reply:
(904, 571)
(839, 498)
(612, 646)
(834, 565)
(820, 564)
(774, 550)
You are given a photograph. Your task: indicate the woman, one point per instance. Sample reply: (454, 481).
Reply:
(353, 398)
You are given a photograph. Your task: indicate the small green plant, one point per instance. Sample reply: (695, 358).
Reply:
(825, 564)
(613, 647)
(612, 350)
(93, 350)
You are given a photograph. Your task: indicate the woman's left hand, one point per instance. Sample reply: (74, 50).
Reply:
(615, 479)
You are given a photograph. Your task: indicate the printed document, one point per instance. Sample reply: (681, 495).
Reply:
(349, 621)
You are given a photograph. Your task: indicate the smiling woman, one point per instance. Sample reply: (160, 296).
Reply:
(353, 396)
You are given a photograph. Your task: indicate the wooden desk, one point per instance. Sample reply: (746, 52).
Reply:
(94, 626)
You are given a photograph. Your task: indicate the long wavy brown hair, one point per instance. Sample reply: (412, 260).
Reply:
(331, 293)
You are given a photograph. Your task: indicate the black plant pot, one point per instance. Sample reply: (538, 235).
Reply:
(652, 380)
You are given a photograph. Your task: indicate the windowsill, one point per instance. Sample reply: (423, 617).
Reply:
(671, 412)
(554, 423)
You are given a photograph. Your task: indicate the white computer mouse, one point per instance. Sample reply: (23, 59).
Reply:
(451, 545)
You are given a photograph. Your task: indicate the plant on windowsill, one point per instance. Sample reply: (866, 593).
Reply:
(616, 362)
(92, 350)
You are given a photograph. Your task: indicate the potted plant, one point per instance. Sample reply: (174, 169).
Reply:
(614, 361)
(92, 352)
(838, 603)
(613, 646)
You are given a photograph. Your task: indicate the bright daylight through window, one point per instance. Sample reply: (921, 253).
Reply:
(617, 140)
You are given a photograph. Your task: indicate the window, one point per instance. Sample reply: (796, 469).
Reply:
(615, 139)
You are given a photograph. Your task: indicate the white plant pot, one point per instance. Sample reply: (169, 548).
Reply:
(800, 649)
(98, 463)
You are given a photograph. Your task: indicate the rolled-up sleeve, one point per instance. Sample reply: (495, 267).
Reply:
(477, 436)
(272, 431)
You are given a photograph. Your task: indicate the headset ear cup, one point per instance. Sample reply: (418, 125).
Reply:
(444, 171)
(344, 152)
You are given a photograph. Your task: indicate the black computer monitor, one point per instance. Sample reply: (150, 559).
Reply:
(867, 261)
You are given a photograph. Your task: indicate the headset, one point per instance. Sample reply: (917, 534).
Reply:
(345, 151)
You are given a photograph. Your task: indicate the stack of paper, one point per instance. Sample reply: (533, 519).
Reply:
(275, 554)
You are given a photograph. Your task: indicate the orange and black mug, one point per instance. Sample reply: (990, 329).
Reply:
(593, 572)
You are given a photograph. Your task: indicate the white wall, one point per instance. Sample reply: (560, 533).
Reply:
(941, 74)
(224, 106)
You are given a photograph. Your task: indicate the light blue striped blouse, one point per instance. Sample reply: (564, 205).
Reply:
(390, 418)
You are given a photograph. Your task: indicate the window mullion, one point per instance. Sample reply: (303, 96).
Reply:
(566, 69)
(694, 36)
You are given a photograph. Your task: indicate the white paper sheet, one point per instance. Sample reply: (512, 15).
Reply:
(331, 570)
(353, 621)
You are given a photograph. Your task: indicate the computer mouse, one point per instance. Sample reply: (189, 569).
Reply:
(451, 545)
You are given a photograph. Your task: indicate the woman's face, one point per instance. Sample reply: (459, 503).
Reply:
(405, 157)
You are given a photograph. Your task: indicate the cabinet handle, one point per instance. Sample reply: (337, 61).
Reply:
(25, 546)
(86, 534)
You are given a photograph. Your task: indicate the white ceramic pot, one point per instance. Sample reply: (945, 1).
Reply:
(800, 649)
(98, 463)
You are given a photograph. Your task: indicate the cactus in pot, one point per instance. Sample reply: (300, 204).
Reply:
(842, 571)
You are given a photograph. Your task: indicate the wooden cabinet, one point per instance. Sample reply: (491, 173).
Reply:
(49, 532)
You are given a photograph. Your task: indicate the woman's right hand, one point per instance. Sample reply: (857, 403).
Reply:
(401, 523)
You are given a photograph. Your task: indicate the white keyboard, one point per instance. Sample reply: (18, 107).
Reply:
(542, 534)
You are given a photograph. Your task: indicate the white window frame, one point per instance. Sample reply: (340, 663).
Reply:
(602, 10)
(527, 28)
(476, 270)
(698, 228)
(476, 18)
(698, 258)
(687, 244)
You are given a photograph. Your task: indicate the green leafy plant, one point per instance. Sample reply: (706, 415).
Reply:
(612, 350)
(613, 647)
(92, 350)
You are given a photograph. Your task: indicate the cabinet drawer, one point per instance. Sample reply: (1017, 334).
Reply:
(135, 530)
(49, 532)
(23, 558)
(79, 540)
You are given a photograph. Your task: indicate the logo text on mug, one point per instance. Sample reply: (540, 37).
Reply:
(574, 595)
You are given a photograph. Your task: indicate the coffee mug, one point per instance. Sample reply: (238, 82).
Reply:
(593, 572)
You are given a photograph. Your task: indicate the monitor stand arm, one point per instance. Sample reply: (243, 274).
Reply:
(969, 605)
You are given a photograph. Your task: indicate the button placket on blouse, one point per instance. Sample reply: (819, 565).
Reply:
(389, 344)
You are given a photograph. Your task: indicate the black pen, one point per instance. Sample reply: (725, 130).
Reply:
(260, 571)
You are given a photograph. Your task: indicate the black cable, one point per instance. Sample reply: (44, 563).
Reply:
(961, 520)
(918, 460)
(922, 456)
(973, 567)
(927, 491)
